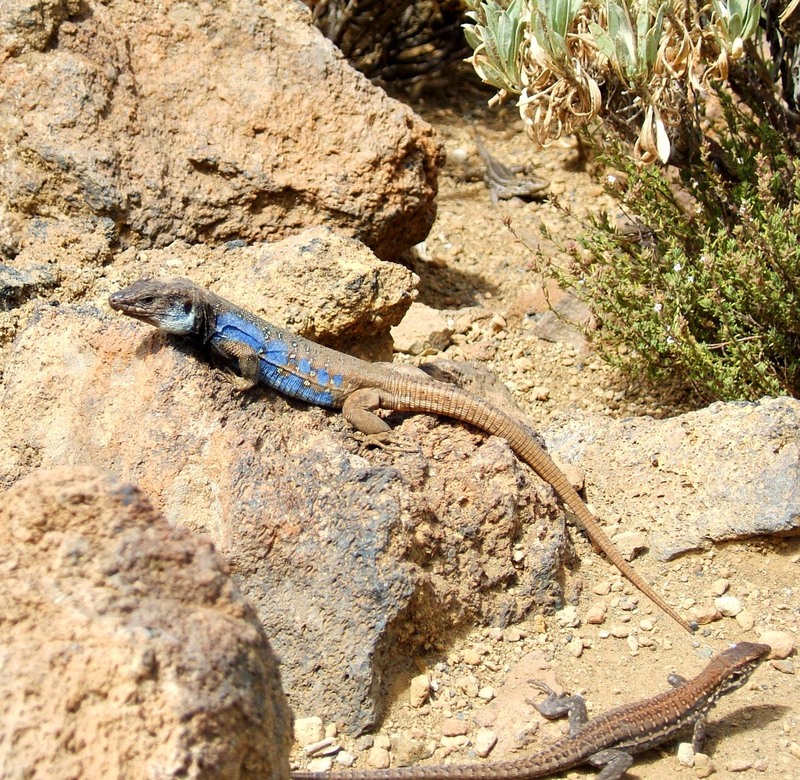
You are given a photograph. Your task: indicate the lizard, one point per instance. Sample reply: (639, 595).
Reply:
(503, 182)
(316, 374)
(607, 741)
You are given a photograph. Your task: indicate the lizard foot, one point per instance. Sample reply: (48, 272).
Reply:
(239, 382)
(385, 440)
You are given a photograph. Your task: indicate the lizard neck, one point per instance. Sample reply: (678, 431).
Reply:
(205, 319)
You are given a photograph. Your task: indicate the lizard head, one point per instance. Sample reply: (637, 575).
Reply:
(168, 304)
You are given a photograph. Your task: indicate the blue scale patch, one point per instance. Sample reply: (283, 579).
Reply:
(296, 379)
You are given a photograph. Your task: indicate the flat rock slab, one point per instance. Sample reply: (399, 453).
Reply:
(729, 471)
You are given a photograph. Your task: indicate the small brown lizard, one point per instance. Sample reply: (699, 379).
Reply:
(607, 741)
(503, 181)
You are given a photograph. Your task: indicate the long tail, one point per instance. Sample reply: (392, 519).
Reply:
(408, 395)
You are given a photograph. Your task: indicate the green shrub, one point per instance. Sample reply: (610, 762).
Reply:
(703, 285)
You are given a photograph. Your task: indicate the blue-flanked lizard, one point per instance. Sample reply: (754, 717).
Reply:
(299, 368)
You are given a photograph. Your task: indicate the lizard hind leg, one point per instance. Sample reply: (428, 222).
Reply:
(359, 410)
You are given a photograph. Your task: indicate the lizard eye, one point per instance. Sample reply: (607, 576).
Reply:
(148, 300)
(187, 307)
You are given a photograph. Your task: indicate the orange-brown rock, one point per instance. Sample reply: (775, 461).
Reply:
(192, 121)
(126, 649)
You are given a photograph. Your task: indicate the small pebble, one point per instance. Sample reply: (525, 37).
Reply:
(469, 685)
(308, 730)
(728, 606)
(739, 765)
(576, 647)
(705, 615)
(485, 740)
(471, 657)
(454, 727)
(343, 758)
(539, 624)
(686, 754)
(568, 617)
(703, 767)
(364, 742)
(720, 587)
(746, 620)
(781, 642)
(540, 393)
(784, 665)
(794, 750)
(406, 750)
(486, 693)
(322, 764)
(378, 758)
(419, 690)
(382, 741)
(512, 634)
(602, 588)
(629, 543)
(596, 614)
(454, 742)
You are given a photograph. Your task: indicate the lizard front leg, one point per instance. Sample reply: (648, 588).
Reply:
(615, 762)
(247, 360)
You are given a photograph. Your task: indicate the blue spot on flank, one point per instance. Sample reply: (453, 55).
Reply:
(274, 361)
(234, 328)
(274, 353)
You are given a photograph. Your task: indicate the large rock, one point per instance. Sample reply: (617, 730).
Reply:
(126, 650)
(201, 122)
(349, 561)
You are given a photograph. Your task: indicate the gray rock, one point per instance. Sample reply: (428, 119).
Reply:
(191, 122)
(18, 285)
(729, 471)
(350, 561)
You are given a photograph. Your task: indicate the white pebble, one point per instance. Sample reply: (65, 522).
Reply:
(345, 759)
(686, 754)
(568, 617)
(781, 642)
(308, 730)
(485, 740)
(729, 606)
(486, 693)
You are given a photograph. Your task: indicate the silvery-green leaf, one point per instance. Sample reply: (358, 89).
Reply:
(602, 40)
(662, 140)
